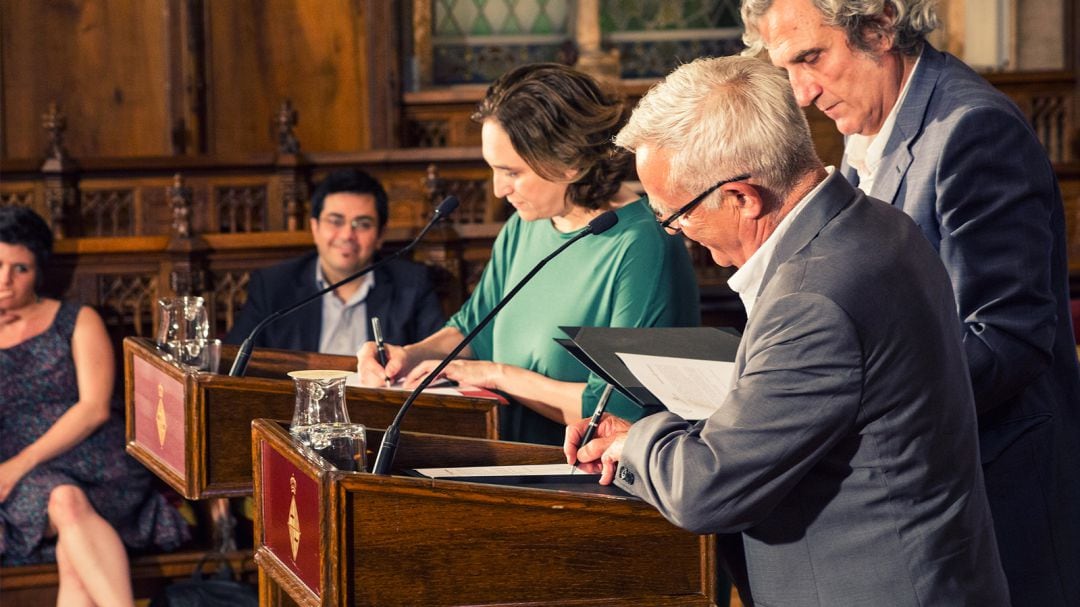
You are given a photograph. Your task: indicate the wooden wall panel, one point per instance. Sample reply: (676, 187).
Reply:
(263, 51)
(106, 63)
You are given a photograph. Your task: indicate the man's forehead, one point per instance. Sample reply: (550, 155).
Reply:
(790, 28)
(350, 202)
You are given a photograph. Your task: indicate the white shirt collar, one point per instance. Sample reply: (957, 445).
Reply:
(864, 152)
(366, 283)
(746, 281)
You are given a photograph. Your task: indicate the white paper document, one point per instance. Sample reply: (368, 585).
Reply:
(519, 470)
(440, 386)
(688, 387)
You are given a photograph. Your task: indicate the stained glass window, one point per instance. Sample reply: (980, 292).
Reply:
(476, 40)
(473, 41)
(654, 37)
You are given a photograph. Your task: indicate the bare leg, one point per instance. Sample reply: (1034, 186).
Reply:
(93, 549)
(224, 525)
(72, 592)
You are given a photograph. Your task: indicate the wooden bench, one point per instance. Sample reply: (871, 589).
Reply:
(36, 585)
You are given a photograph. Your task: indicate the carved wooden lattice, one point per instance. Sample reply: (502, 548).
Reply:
(107, 212)
(242, 209)
(427, 133)
(128, 302)
(472, 194)
(229, 295)
(1048, 117)
(17, 199)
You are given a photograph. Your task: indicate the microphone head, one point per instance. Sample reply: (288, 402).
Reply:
(603, 222)
(447, 206)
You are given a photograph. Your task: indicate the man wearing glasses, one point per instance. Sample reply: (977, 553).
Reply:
(348, 214)
(843, 465)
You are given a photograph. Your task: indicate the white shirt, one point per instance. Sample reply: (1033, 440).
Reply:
(344, 323)
(746, 281)
(864, 151)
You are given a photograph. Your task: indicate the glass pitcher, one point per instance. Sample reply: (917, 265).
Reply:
(181, 320)
(321, 420)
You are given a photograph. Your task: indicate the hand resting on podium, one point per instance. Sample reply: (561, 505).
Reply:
(557, 400)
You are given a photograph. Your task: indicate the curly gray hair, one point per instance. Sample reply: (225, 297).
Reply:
(906, 21)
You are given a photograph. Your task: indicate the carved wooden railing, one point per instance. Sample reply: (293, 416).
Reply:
(1048, 99)
(130, 231)
(124, 276)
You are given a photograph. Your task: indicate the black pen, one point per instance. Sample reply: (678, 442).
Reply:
(595, 421)
(380, 345)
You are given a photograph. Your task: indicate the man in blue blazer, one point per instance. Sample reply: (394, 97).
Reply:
(845, 456)
(349, 210)
(928, 135)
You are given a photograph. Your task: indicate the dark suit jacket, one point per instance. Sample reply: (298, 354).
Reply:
(963, 162)
(846, 453)
(402, 298)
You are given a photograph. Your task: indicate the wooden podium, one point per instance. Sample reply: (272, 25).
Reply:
(193, 430)
(325, 537)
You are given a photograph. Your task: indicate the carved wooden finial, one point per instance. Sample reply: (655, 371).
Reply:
(286, 120)
(55, 123)
(434, 186)
(180, 199)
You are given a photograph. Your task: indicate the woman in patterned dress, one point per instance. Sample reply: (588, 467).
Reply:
(67, 489)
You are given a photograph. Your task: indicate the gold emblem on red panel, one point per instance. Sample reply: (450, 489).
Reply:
(294, 520)
(162, 425)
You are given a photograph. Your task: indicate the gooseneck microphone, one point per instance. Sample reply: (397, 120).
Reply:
(239, 365)
(388, 448)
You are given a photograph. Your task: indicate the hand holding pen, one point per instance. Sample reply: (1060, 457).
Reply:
(380, 345)
(594, 421)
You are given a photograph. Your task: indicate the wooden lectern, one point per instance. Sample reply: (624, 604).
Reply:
(193, 430)
(325, 537)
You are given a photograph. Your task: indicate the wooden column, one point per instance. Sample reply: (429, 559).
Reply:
(291, 172)
(592, 59)
(58, 173)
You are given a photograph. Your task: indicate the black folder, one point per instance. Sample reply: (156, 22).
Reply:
(597, 348)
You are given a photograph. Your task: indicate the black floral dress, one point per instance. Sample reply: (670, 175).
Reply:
(37, 385)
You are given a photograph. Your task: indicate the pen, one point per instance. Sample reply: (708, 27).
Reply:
(380, 345)
(595, 420)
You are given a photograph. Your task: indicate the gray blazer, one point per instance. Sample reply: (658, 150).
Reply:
(846, 453)
(963, 162)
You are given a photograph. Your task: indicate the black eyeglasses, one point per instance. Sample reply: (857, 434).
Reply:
(667, 224)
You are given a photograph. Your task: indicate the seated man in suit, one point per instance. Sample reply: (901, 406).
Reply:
(845, 457)
(348, 213)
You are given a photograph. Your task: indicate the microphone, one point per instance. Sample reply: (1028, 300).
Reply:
(388, 448)
(239, 365)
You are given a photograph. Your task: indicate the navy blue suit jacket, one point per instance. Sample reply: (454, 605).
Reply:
(403, 299)
(964, 163)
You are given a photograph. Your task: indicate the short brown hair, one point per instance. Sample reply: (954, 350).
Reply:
(560, 119)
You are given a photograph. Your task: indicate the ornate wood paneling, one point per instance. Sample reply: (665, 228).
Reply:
(105, 62)
(227, 297)
(22, 198)
(240, 209)
(260, 52)
(107, 212)
(440, 118)
(128, 303)
(1048, 100)
(1069, 178)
